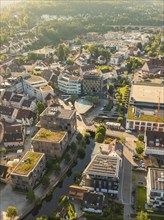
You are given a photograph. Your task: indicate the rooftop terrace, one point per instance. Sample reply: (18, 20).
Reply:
(49, 136)
(27, 163)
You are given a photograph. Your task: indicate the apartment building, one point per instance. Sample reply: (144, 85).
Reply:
(8, 114)
(69, 84)
(102, 174)
(52, 143)
(155, 188)
(57, 118)
(146, 108)
(154, 143)
(28, 171)
(38, 87)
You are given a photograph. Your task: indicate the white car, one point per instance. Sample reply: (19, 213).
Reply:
(128, 131)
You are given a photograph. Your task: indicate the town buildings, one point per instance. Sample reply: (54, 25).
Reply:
(52, 143)
(28, 171)
(57, 118)
(155, 187)
(146, 108)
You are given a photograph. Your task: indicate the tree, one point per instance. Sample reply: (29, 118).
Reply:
(101, 129)
(141, 137)
(60, 52)
(139, 147)
(67, 157)
(142, 216)
(73, 147)
(120, 119)
(30, 195)
(43, 217)
(70, 62)
(111, 89)
(11, 212)
(87, 136)
(57, 168)
(79, 137)
(99, 137)
(77, 177)
(46, 181)
(41, 107)
(81, 153)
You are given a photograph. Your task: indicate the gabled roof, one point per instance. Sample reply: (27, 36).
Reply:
(6, 110)
(87, 67)
(13, 137)
(23, 113)
(16, 98)
(27, 103)
(7, 96)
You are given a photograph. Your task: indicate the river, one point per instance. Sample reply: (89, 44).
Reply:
(50, 203)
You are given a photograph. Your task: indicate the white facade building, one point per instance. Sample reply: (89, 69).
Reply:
(155, 187)
(69, 84)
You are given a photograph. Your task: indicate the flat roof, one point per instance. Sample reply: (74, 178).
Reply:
(103, 165)
(147, 93)
(49, 136)
(27, 163)
(155, 139)
(157, 178)
(46, 88)
(58, 112)
(35, 79)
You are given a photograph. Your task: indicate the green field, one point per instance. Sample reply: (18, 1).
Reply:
(140, 198)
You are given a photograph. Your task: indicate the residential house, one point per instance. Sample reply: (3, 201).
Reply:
(59, 119)
(8, 114)
(6, 98)
(52, 143)
(25, 117)
(155, 188)
(17, 100)
(93, 202)
(29, 171)
(86, 68)
(14, 137)
(154, 143)
(4, 173)
(116, 59)
(29, 104)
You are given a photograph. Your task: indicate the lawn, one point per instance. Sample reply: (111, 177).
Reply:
(140, 198)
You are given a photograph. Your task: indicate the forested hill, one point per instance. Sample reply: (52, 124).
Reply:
(85, 16)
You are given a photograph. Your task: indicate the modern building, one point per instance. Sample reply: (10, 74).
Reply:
(154, 143)
(146, 108)
(102, 174)
(52, 143)
(155, 188)
(92, 83)
(17, 100)
(57, 118)
(69, 84)
(36, 86)
(28, 171)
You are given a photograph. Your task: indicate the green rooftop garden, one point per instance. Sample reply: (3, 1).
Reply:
(47, 135)
(27, 163)
(152, 118)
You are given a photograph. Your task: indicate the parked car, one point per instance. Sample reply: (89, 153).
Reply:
(128, 131)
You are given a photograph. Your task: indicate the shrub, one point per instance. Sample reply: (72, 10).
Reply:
(141, 137)
(99, 137)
